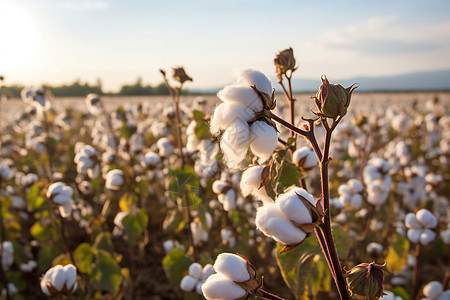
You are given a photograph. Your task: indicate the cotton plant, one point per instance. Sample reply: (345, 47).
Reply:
(86, 159)
(197, 275)
(241, 118)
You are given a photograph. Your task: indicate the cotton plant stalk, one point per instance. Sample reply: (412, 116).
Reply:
(180, 75)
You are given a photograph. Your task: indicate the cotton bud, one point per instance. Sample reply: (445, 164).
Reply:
(60, 280)
(285, 61)
(114, 180)
(333, 99)
(61, 194)
(179, 74)
(366, 280)
(305, 158)
(7, 251)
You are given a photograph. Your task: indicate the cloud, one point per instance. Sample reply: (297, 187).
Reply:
(387, 35)
(87, 5)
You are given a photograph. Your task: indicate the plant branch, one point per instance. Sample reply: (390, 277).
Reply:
(415, 275)
(269, 296)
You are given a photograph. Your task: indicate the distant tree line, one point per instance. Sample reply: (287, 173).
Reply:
(80, 89)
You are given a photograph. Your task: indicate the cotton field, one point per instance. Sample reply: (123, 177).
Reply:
(250, 194)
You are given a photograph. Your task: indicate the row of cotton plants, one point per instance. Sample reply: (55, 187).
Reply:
(242, 200)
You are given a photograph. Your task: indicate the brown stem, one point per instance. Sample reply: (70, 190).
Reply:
(290, 100)
(64, 239)
(415, 275)
(269, 296)
(47, 147)
(178, 125)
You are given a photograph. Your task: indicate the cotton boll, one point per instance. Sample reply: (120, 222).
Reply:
(377, 198)
(355, 185)
(232, 266)
(411, 221)
(228, 200)
(306, 156)
(283, 231)
(427, 236)
(65, 209)
(218, 120)
(264, 139)
(188, 283)
(356, 201)
(241, 95)
(414, 235)
(218, 286)
(374, 249)
(267, 212)
(292, 206)
(426, 218)
(207, 271)
(234, 143)
(250, 184)
(233, 112)
(433, 289)
(195, 270)
(444, 296)
(252, 77)
(219, 186)
(198, 288)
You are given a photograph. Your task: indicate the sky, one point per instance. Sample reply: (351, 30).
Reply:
(59, 41)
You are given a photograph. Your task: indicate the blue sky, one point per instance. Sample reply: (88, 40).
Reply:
(57, 41)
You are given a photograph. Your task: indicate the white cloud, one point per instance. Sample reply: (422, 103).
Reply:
(87, 5)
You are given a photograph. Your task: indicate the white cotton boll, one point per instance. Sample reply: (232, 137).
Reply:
(150, 160)
(284, 231)
(370, 174)
(198, 288)
(207, 271)
(167, 245)
(114, 179)
(241, 95)
(233, 112)
(58, 278)
(445, 235)
(344, 189)
(264, 139)
(292, 206)
(356, 201)
(12, 290)
(355, 185)
(374, 248)
(119, 217)
(220, 287)
(65, 209)
(433, 289)
(219, 186)
(232, 266)
(188, 283)
(427, 236)
(265, 213)
(218, 120)
(18, 202)
(71, 276)
(414, 235)
(377, 198)
(251, 179)
(306, 154)
(195, 270)
(250, 77)
(235, 142)
(55, 188)
(426, 218)
(444, 296)
(228, 200)
(412, 222)
(7, 255)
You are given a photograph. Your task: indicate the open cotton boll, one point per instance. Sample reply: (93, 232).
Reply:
(427, 236)
(251, 77)
(306, 155)
(241, 95)
(265, 213)
(218, 120)
(426, 218)
(65, 209)
(207, 271)
(411, 221)
(414, 235)
(264, 139)
(284, 232)
(220, 287)
(251, 179)
(292, 206)
(233, 112)
(195, 270)
(234, 144)
(228, 200)
(355, 185)
(198, 288)
(433, 289)
(219, 186)
(232, 266)
(188, 283)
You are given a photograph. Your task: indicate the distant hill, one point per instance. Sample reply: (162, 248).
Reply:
(417, 81)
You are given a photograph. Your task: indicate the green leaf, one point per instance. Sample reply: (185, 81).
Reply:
(288, 175)
(39, 232)
(397, 253)
(134, 226)
(103, 242)
(175, 264)
(202, 128)
(106, 274)
(83, 258)
(126, 201)
(182, 181)
(342, 240)
(33, 199)
(304, 269)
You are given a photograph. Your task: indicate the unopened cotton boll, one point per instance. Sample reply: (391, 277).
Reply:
(59, 280)
(219, 286)
(114, 180)
(264, 140)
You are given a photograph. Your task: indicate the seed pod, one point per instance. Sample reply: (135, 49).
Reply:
(366, 280)
(333, 99)
(285, 61)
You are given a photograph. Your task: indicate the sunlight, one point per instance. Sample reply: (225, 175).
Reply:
(19, 36)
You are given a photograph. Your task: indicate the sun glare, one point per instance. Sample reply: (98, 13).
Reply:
(19, 36)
